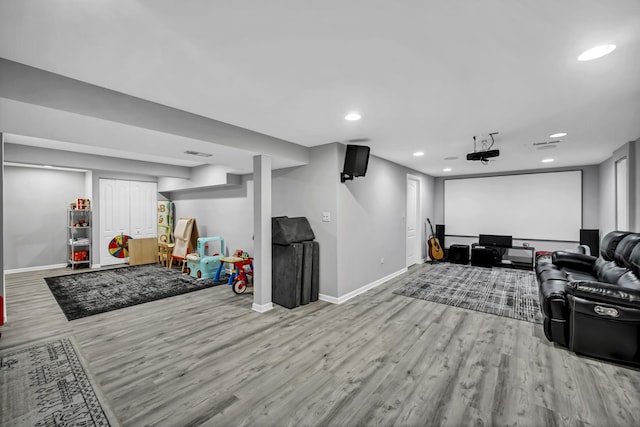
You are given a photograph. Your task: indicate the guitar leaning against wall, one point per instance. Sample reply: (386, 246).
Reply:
(435, 250)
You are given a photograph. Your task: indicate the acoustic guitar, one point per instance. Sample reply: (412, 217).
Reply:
(435, 250)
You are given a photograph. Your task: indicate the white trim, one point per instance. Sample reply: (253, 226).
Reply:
(37, 268)
(261, 308)
(365, 288)
(328, 298)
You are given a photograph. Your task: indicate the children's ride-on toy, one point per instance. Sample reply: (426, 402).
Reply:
(243, 272)
(201, 265)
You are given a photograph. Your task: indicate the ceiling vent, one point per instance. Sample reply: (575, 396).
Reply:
(545, 145)
(197, 153)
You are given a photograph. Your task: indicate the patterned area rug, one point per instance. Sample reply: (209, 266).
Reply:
(85, 294)
(47, 385)
(501, 291)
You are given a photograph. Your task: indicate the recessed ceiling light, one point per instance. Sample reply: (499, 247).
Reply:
(547, 160)
(418, 153)
(446, 170)
(558, 135)
(596, 52)
(353, 116)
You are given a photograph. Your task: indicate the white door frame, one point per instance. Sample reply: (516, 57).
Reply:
(419, 259)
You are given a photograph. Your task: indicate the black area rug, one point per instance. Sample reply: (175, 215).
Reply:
(85, 294)
(501, 291)
(48, 385)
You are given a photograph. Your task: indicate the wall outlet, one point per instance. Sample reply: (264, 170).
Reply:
(381, 260)
(326, 216)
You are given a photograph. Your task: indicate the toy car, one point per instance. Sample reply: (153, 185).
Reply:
(201, 265)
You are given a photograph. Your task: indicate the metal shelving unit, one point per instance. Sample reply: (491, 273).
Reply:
(79, 238)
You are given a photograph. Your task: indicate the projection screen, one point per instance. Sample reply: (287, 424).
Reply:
(537, 206)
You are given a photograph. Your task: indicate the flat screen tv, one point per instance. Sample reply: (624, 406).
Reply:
(356, 161)
(495, 240)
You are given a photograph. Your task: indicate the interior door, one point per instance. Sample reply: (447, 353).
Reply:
(143, 209)
(114, 217)
(413, 227)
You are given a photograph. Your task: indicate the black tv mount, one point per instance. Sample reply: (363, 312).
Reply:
(484, 155)
(344, 177)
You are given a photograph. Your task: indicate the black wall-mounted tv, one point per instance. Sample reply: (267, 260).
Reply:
(495, 240)
(356, 161)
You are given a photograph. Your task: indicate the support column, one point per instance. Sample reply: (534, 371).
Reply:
(262, 233)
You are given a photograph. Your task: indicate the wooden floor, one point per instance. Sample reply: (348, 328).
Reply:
(205, 358)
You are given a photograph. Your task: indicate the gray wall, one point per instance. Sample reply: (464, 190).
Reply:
(367, 216)
(376, 202)
(2, 221)
(308, 191)
(636, 181)
(35, 215)
(591, 207)
(372, 222)
(225, 212)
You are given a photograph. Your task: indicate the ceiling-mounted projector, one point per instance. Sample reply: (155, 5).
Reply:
(486, 152)
(483, 155)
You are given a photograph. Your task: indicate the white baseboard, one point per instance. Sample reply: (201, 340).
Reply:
(37, 268)
(262, 308)
(361, 289)
(328, 298)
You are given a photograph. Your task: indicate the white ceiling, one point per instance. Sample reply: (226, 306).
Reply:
(425, 75)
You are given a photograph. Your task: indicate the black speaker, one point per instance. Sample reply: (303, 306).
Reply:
(440, 234)
(356, 161)
(591, 238)
(459, 254)
(484, 257)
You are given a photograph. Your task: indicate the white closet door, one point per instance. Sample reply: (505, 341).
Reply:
(114, 216)
(143, 208)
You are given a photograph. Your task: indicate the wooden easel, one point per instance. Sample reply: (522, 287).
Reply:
(186, 240)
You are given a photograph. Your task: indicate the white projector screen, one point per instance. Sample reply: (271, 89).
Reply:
(537, 206)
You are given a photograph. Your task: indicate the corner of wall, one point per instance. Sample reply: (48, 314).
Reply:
(3, 317)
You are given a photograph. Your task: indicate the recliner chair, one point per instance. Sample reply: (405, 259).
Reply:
(592, 305)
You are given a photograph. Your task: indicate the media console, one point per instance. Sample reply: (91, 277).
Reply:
(522, 257)
(498, 251)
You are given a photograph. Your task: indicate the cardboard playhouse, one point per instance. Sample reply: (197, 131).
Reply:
(186, 239)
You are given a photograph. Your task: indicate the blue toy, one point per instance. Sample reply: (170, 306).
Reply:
(201, 265)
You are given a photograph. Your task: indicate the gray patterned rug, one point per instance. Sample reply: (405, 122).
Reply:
(501, 291)
(47, 385)
(85, 294)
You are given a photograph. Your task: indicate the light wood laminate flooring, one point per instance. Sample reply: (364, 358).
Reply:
(205, 358)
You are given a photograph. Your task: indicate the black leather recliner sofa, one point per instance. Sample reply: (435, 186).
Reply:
(592, 305)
